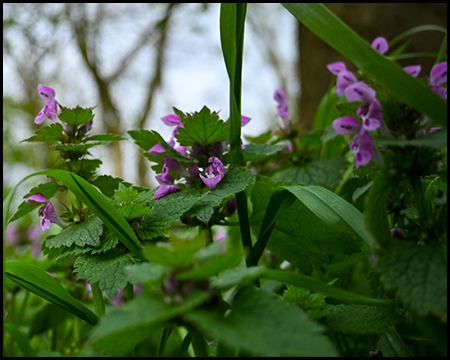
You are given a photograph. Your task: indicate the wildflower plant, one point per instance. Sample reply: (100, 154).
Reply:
(335, 240)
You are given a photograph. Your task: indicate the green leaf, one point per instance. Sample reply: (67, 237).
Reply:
(326, 173)
(121, 330)
(20, 340)
(125, 195)
(134, 211)
(104, 137)
(312, 284)
(101, 206)
(418, 275)
(166, 211)
(317, 18)
(307, 232)
(392, 345)
(79, 149)
(262, 324)
(108, 184)
(361, 319)
(333, 210)
(204, 128)
(50, 133)
(145, 139)
(39, 282)
(435, 140)
(48, 189)
(255, 152)
(107, 268)
(86, 233)
(76, 117)
(236, 276)
(235, 180)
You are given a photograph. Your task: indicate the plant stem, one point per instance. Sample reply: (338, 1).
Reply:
(419, 198)
(130, 292)
(98, 300)
(165, 335)
(209, 235)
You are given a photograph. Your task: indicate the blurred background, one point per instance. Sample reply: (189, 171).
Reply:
(135, 61)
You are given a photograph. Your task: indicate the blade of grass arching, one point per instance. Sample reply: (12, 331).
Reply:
(317, 18)
(42, 284)
(309, 283)
(20, 340)
(97, 202)
(232, 21)
(280, 199)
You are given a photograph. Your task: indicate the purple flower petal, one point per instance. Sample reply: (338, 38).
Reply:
(157, 150)
(165, 178)
(413, 70)
(279, 96)
(343, 80)
(40, 117)
(245, 120)
(363, 147)
(374, 116)
(359, 92)
(336, 68)
(380, 44)
(48, 215)
(172, 120)
(283, 110)
(45, 92)
(36, 199)
(442, 92)
(346, 125)
(214, 173)
(51, 109)
(439, 74)
(166, 190)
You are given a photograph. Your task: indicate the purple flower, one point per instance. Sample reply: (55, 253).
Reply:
(172, 120)
(359, 92)
(166, 190)
(336, 68)
(413, 70)
(282, 107)
(50, 107)
(245, 120)
(380, 44)
(364, 149)
(165, 178)
(439, 76)
(46, 212)
(343, 80)
(213, 173)
(372, 120)
(169, 120)
(346, 125)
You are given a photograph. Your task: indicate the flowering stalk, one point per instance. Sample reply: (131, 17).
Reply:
(97, 295)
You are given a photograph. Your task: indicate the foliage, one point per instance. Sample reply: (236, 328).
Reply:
(327, 251)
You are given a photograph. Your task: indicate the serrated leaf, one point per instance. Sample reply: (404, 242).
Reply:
(108, 184)
(121, 330)
(326, 173)
(260, 139)
(134, 211)
(86, 233)
(145, 139)
(361, 319)
(125, 195)
(107, 268)
(166, 211)
(262, 324)
(50, 133)
(418, 275)
(77, 116)
(48, 189)
(205, 128)
(75, 148)
(235, 180)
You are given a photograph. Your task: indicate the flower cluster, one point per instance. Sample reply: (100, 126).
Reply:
(46, 212)
(206, 166)
(370, 110)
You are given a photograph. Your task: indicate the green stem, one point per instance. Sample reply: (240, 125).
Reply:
(419, 198)
(98, 300)
(209, 235)
(182, 352)
(162, 345)
(130, 292)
